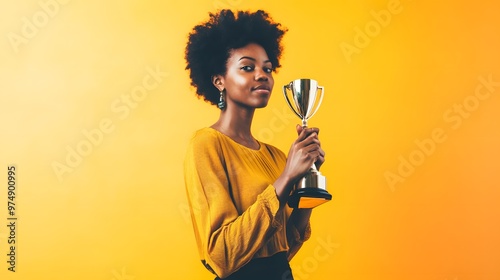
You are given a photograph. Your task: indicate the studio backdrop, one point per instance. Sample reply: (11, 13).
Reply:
(96, 111)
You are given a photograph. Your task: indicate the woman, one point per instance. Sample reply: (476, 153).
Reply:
(237, 187)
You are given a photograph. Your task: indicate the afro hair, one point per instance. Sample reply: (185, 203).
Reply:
(211, 42)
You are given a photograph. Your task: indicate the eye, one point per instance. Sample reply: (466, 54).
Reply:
(247, 68)
(268, 70)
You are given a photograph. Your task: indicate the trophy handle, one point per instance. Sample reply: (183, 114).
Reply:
(288, 100)
(319, 102)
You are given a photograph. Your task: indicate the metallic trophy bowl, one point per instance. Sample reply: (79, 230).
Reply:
(304, 97)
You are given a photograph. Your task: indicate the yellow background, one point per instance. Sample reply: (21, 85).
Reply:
(121, 211)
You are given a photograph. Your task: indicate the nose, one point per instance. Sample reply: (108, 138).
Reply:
(260, 75)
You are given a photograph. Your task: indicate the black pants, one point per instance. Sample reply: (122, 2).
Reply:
(275, 267)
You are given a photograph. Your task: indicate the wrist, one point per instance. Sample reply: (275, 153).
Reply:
(283, 186)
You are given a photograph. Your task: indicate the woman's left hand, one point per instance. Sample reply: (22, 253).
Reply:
(321, 158)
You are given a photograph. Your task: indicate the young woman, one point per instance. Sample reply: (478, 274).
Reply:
(237, 186)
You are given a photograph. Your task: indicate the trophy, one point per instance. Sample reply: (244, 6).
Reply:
(303, 98)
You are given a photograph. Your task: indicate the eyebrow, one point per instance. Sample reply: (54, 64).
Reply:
(253, 59)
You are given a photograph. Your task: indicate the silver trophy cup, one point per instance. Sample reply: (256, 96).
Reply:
(304, 97)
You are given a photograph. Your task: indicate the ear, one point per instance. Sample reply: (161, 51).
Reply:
(218, 82)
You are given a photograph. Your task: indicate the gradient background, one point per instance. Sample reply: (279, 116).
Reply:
(121, 211)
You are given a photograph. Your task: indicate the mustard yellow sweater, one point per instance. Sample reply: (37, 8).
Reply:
(234, 207)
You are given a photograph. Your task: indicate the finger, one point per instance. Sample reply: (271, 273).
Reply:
(312, 130)
(299, 128)
(309, 130)
(319, 162)
(312, 138)
(315, 129)
(321, 151)
(312, 148)
(309, 140)
(316, 137)
(314, 155)
(302, 135)
(321, 158)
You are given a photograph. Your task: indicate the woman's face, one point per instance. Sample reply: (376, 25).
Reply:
(248, 80)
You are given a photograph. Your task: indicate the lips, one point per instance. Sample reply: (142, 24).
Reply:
(262, 87)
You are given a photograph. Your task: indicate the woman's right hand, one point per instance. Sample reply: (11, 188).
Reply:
(303, 153)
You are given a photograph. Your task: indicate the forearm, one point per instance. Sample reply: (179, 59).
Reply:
(298, 230)
(282, 186)
(300, 219)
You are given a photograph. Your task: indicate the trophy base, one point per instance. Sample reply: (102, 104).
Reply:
(308, 198)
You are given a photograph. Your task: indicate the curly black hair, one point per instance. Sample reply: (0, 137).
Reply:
(211, 42)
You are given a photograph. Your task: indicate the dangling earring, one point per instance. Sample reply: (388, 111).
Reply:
(222, 101)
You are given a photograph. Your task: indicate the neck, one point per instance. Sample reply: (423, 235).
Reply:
(237, 124)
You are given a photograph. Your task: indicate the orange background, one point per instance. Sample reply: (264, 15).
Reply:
(391, 110)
